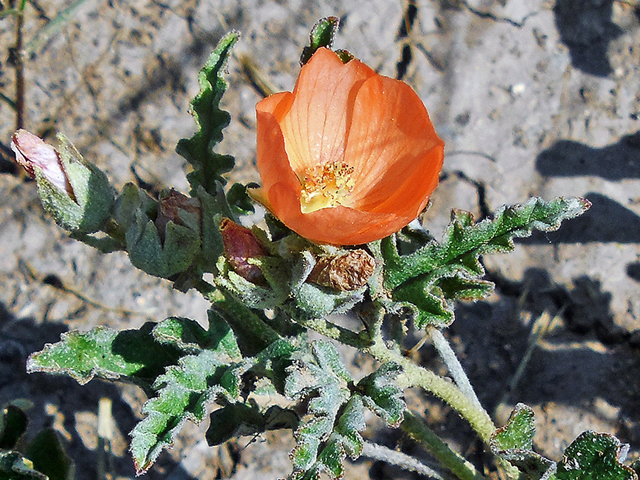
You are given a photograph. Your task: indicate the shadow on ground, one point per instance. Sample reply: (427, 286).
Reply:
(571, 373)
(586, 28)
(19, 338)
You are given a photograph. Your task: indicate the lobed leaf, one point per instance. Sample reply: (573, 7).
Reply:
(382, 395)
(437, 274)
(591, 456)
(132, 355)
(183, 393)
(208, 166)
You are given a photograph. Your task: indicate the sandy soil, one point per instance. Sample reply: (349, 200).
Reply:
(532, 98)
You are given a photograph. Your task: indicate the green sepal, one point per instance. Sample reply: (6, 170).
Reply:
(321, 36)
(131, 355)
(135, 213)
(94, 196)
(208, 166)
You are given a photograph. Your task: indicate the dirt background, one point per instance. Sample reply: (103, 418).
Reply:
(532, 97)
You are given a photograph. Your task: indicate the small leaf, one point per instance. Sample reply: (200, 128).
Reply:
(131, 355)
(321, 36)
(14, 466)
(514, 443)
(13, 424)
(382, 395)
(48, 455)
(208, 166)
(595, 456)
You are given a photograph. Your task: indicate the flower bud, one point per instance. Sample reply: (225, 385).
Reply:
(32, 153)
(76, 193)
(240, 244)
(177, 208)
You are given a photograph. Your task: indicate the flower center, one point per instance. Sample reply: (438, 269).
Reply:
(326, 185)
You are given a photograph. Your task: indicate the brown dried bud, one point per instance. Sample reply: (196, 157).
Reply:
(348, 271)
(169, 208)
(240, 244)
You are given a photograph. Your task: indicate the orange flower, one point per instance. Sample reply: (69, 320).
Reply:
(349, 156)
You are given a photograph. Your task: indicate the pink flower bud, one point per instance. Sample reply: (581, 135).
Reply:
(32, 153)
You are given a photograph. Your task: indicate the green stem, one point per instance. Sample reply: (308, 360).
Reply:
(420, 432)
(335, 332)
(415, 376)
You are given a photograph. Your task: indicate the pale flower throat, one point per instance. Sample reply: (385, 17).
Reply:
(326, 185)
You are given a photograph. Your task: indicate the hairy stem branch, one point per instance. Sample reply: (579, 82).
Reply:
(399, 459)
(421, 433)
(453, 364)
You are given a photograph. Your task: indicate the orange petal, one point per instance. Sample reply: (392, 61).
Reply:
(314, 128)
(395, 152)
(336, 225)
(271, 156)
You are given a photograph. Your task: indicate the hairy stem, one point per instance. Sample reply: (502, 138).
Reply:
(453, 364)
(415, 376)
(335, 332)
(421, 433)
(399, 459)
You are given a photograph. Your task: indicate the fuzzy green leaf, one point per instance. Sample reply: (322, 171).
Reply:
(591, 456)
(437, 274)
(208, 166)
(595, 456)
(184, 392)
(382, 395)
(337, 415)
(131, 355)
(514, 443)
(183, 333)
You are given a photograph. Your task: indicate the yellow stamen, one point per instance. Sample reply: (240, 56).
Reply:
(326, 185)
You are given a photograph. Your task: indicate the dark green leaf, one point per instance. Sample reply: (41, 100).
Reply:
(131, 355)
(321, 36)
(595, 456)
(49, 456)
(239, 199)
(208, 166)
(514, 443)
(183, 333)
(12, 425)
(242, 419)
